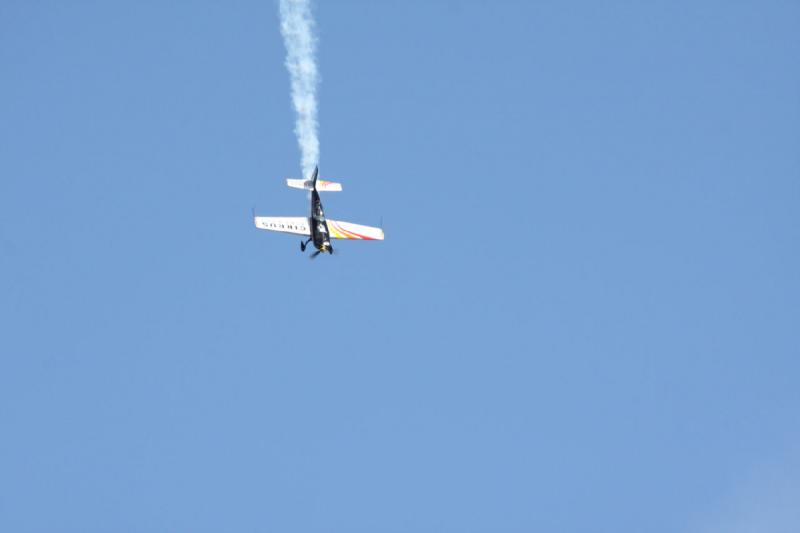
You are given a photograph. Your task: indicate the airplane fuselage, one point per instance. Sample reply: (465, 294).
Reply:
(319, 226)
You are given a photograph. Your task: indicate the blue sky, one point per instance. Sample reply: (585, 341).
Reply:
(584, 316)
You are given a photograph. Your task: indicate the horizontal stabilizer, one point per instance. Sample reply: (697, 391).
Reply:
(322, 185)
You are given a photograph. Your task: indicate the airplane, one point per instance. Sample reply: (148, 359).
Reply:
(317, 228)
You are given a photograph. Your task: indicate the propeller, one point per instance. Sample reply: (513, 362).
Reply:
(331, 250)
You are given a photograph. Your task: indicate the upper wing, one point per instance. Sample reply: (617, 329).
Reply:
(348, 230)
(297, 225)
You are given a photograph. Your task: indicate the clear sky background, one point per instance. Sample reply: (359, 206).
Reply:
(584, 316)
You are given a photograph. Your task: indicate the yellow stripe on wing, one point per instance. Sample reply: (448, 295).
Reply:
(342, 233)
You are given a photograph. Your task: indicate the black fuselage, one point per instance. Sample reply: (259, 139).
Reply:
(319, 227)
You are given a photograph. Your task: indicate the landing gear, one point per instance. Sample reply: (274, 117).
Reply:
(303, 245)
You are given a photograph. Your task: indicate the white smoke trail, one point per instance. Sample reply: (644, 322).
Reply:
(297, 27)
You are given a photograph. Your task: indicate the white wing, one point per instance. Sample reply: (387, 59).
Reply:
(296, 225)
(348, 230)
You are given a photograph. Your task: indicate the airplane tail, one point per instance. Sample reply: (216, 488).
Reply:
(313, 182)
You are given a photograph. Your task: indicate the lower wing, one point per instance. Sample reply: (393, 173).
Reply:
(348, 230)
(296, 225)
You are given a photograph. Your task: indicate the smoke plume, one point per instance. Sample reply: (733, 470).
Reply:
(297, 27)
